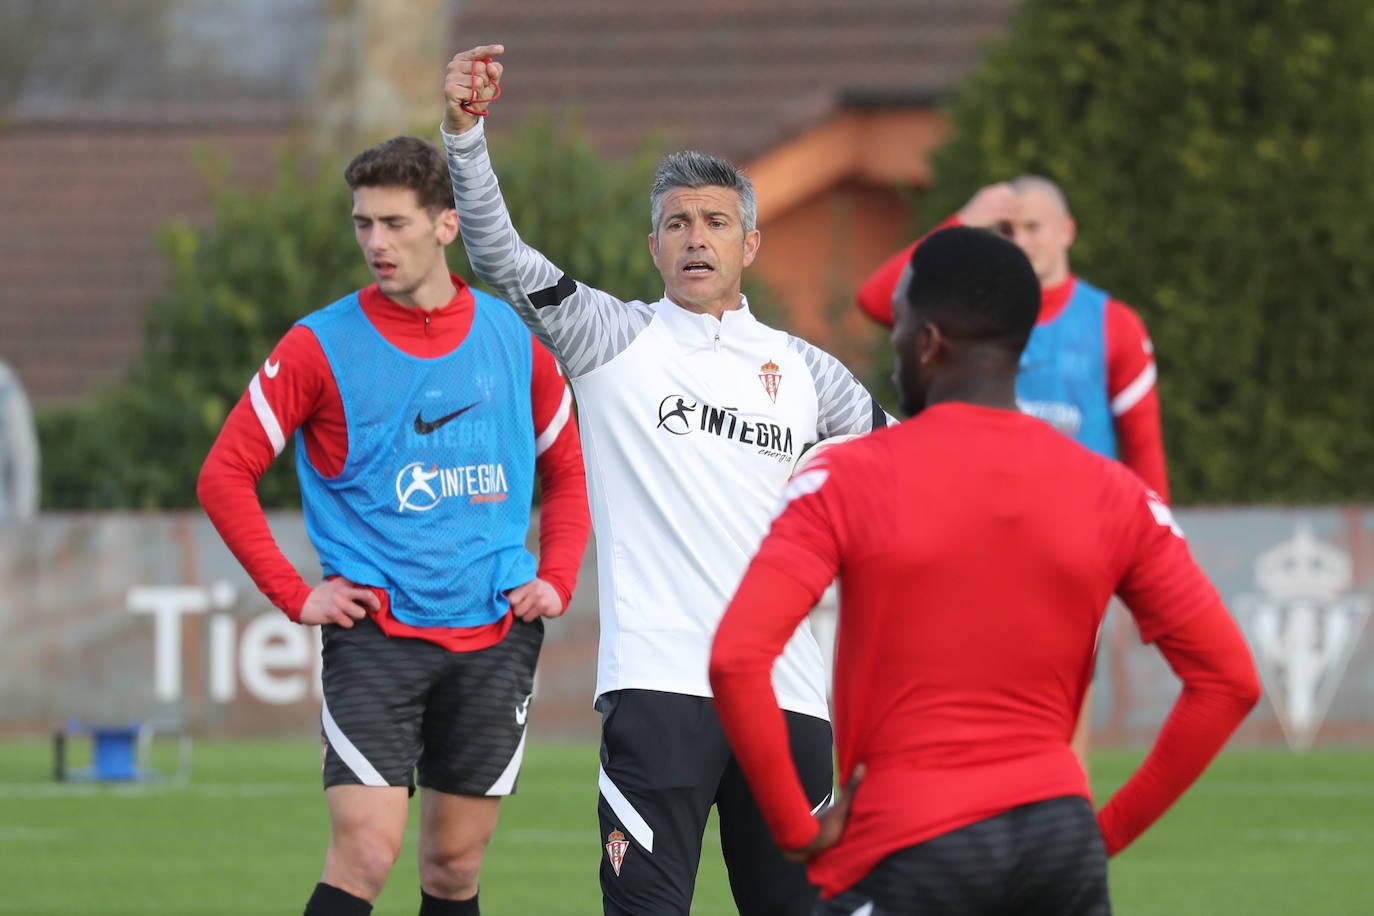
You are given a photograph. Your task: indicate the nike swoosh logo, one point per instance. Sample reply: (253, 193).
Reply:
(425, 427)
(271, 368)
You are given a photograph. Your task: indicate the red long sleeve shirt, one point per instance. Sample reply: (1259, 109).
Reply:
(305, 396)
(1131, 369)
(972, 588)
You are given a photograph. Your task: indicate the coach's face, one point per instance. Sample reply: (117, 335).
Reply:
(910, 344)
(701, 249)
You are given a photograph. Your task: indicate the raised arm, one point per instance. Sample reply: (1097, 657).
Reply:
(584, 327)
(993, 204)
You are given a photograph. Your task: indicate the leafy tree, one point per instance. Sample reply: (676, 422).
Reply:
(236, 287)
(271, 257)
(590, 214)
(1219, 158)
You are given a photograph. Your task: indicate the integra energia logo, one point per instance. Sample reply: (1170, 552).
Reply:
(681, 417)
(420, 488)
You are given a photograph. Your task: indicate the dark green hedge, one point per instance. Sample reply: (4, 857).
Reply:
(270, 258)
(267, 259)
(1219, 158)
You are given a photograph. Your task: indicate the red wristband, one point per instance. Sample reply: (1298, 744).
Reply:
(467, 105)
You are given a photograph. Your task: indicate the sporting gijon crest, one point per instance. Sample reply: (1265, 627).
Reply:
(1304, 623)
(616, 846)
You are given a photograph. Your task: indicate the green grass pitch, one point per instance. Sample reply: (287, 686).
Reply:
(1264, 832)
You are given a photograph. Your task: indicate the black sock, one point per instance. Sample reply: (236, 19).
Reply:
(329, 900)
(438, 906)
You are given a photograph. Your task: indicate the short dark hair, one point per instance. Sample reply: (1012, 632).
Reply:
(975, 285)
(693, 169)
(404, 162)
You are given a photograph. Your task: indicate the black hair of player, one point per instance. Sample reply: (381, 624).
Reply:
(404, 162)
(975, 286)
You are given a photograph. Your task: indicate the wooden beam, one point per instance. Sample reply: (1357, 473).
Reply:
(890, 147)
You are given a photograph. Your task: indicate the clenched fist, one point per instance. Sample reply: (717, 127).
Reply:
(472, 81)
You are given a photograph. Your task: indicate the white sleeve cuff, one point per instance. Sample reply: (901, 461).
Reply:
(461, 144)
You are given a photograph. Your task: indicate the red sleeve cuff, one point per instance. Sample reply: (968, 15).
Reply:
(796, 834)
(294, 605)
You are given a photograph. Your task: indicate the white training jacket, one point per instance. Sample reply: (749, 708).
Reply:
(690, 426)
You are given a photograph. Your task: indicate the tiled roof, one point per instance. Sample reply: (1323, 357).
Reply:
(83, 190)
(731, 77)
(82, 207)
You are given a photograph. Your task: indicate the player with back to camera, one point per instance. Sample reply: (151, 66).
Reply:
(1089, 367)
(977, 548)
(692, 413)
(422, 410)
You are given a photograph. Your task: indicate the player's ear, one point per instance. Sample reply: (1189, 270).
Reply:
(752, 239)
(446, 226)
(931, 345)
(654, 250)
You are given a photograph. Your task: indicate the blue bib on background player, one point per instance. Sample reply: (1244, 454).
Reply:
(1063, 374)
(433, 503)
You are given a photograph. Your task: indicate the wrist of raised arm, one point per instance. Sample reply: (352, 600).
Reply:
(458, 139)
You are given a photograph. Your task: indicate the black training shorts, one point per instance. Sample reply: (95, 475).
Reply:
(1041, 859)
(664, 762)
(394, 704)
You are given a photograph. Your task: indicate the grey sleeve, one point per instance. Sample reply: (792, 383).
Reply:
(584, 327)
(846, 406)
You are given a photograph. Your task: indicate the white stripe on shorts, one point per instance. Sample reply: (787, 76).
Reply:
(505, 783)
(350, 755)
(631, 818)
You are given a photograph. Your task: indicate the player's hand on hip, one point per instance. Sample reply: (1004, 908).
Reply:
(990, 206)
(535, 599)
(336, 600)
(833, 820)
(472, 81)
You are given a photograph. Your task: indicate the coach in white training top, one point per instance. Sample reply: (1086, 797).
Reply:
(692, 413)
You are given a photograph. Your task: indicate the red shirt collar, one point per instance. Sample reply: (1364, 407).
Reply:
(1054, 298)
(416, 331)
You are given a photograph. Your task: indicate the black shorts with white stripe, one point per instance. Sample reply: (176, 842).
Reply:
(665, 762)
(394, 705)
(1041, 859)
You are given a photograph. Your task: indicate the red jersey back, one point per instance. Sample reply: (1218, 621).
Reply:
(976, 549)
